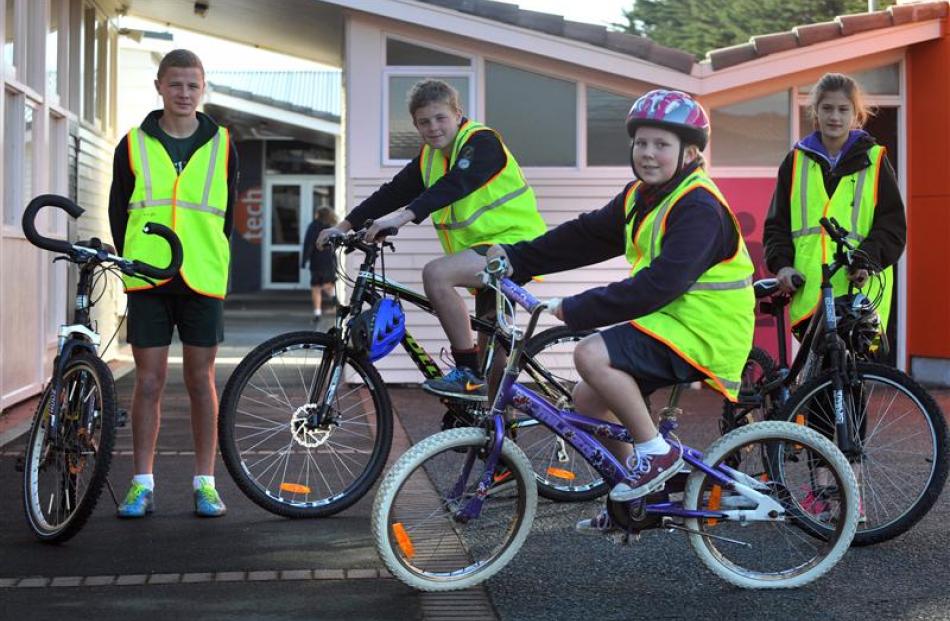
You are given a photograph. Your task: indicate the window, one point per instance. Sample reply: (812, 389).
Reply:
(402, 54)
(52, 49)
(89, 64)
(751, 133)
(293, 157)
(13, 133)
(607, 140)
(878, 81)
(101, 76)
(535, 113)
(403, 139)
(9, 33)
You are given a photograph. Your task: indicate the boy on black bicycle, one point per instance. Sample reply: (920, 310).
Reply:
(686, 313)
(470, 183)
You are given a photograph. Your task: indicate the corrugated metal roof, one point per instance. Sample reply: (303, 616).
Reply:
(314, 90)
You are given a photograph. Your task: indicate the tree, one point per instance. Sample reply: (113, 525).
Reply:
(698, 26)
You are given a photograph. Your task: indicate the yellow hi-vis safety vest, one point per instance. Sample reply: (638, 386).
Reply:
(711, 325)
(503, 211)
(852, 205)
(192, 204)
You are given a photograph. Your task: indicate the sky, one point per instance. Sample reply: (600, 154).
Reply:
(218, 54)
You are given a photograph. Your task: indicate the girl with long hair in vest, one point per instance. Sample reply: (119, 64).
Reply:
(685, 313)
(178, 168)
(836, 171)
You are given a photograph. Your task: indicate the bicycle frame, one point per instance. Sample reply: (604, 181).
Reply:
(582, 433)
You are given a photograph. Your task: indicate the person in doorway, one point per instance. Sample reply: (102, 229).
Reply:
(322, 262)
(686, 311)
(178, 168)
(840, 172)
(468, 181)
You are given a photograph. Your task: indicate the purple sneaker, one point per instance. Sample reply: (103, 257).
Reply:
(601, 524)
(650, 474)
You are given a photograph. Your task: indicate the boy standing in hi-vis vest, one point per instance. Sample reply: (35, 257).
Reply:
(685, 313)
(179, 169)
(470, 183)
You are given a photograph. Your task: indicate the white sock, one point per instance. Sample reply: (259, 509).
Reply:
(317, 312)
(656, 446)
(202, 480)
(147, 480)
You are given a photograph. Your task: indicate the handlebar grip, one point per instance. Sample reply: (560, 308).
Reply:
(29, 221)
(798, 281)
(835, 230)
(153, 228)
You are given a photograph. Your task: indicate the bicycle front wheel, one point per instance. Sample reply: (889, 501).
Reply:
(562, 473)
(436, 528)
(901, 435)
(67, 464)
(276, 450)
(784, 537)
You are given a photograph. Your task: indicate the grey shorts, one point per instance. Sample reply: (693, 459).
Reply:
(649, 361)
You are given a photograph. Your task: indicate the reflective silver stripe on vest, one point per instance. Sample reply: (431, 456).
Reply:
(204, 206)
(803, 196)
(815, 230)
(856, 205)
(722, 286)
(143, 157)
(665, 206)
(429, 167)
(729, 385)
(454, 226)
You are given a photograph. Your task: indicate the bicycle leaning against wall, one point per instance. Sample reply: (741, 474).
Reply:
(70, 444)
(305, 421)
(890, 428)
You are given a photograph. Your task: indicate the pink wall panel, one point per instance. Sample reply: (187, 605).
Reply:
(750, 199)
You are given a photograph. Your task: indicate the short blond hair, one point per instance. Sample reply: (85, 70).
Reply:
(183, 59)
(426, 92)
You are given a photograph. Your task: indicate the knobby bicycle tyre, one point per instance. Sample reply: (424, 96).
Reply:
(62, 481)
(754, 554)
(750, 404)
(416, 521)
(276, 459)
(562, 473)
(897, 420)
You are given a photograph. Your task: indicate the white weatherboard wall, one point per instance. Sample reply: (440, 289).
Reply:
(562, 193)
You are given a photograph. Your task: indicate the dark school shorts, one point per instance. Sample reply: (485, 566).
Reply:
(649, 361)
(153, 317)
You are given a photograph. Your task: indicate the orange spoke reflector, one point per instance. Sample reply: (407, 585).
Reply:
(561, 473)
(294, 488)
(403, 540)
(799, 419)
(715, 501)
(498, 478)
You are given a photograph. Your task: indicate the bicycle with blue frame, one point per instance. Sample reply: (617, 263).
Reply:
(444, 519)
(305, 421)
(890, 428)
(69, 450)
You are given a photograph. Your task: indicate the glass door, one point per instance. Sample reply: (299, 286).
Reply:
(291, 205)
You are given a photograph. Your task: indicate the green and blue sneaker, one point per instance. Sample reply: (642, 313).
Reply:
(139, 502)
(208, 503)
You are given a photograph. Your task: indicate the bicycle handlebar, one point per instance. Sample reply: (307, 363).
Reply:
(64, 247)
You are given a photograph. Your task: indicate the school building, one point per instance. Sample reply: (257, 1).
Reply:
(557, 91)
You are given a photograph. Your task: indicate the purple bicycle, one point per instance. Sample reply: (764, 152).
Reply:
(456, 508)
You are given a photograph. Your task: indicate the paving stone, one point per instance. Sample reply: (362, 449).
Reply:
(296, 574)
(164, 578)
(262, 575)
(328, 574)
(66, 581)
(131, 579)
(196, 577)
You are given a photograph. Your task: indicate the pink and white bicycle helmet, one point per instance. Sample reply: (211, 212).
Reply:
(672, 110)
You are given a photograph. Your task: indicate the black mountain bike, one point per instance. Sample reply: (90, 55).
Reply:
(890, 428)
(70, 446)
(305, 422)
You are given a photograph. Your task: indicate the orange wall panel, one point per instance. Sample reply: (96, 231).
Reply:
(928, 204)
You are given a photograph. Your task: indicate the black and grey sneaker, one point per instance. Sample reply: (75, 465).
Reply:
(459, 383)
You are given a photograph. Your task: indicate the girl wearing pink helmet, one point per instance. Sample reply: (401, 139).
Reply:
(684, 313)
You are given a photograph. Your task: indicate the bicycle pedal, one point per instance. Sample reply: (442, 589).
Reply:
(121, 418)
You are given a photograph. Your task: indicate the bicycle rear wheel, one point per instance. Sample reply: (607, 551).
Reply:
(66, 467)
(772, 543)
(422, 531)
(751, 406)
(902, 437)
(548, 368)
(274, 453)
